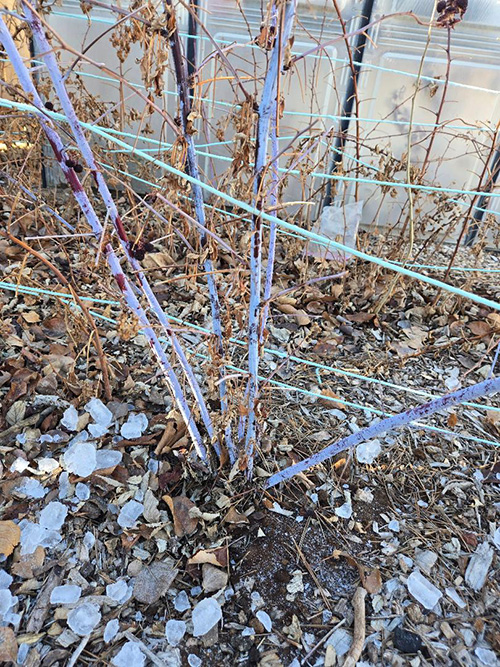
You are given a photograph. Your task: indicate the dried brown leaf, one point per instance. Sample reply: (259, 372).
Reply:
(180, 506)
(217, 556)
(10, 535)
(153, 581)
(235, 517)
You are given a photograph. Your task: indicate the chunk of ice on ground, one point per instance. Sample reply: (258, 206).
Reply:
(82, 491)
(89, 539)
(22, 653)
(111, 630)
(265, 619)
(70, 418)
(486, 657)
(344, 511)
(453, 595)
(19, 465)
(117, 591)
(7, 601)
(135, 426)
(53, 515)
(66, 594)
(175, 631)
(84, 618)
(99, 412)
(425, 560)
(5, 579)
(81, 459)
(31, 488)
(368, 451)
(341, 640)
(64, 485)
(206, 615)
(181, 602)
(394, 525)
(423, 590)
(47, 465)
(129, 514)
(130, 655)
(496, 538)
(32, 535)
(194, 660)
(107, 458)
(479, 565)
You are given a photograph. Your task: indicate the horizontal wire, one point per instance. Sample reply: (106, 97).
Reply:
(287, 387)
(342, 61)
(278, 353)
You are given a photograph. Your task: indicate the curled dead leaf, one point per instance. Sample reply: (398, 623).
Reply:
(184, 521)
(235, 517)
(217, 556)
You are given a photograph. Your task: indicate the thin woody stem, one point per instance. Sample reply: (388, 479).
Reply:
(389, 424)
(192, 166)
(95, 224)
(268, 101)
(55, 74)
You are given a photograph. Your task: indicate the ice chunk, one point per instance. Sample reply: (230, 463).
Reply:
(70, 418)
(341, 640)
(66, 594)
(394, 526)
(82, 491)
(206, 615)
(118, 591)
(134, 427)
(47, 465)
(423, 590)
(7, 601)
(486, 657)
(19, 465)
(81, 459)
(345, 510)
(5, 579)
(31, 488)
(425, 560)
(265, 619)
(453, 595)
(107, 458)
(22, 653)
(129, 514)
(367, 452)
(496, 538)
(111, 630)
(32, 535)
(99, 412)
(181, 602)
(64, 485)
(84, 618)
(130, 655)
(479, 564)
(53, 515)
(193, 660)
(175, 631)
(89, 539)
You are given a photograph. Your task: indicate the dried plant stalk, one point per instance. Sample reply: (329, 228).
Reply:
(95, 224)
(396, 421)
(193, 170)
(268, 101)
(49, 58)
